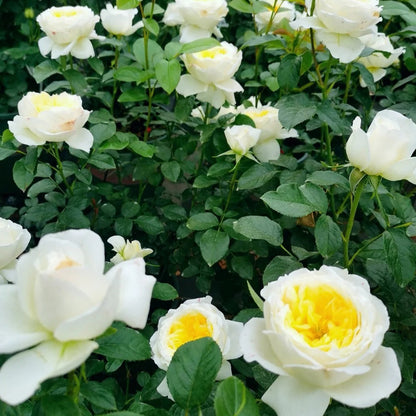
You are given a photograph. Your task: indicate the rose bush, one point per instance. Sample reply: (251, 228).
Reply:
(61, 301)
(51, 118)
(69, 30)
(387, 147)
(322, 332)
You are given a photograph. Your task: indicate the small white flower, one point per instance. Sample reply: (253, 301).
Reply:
(51, 118)
(126, 250)
(69, 30)
(119, 22)
(60, 302)
(198, 18)
(322, 333)
(194, 319)
(210, 74)
(241, 139)
(387, 147)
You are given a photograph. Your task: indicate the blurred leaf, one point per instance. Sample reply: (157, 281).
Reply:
(199, 45)
(171, 170)
(55, 405)
(97, 394)
(127, 4)
(260, 228)
(214, 245)
(202, 221)
(288, 74)
(164, 291)
(280, 266)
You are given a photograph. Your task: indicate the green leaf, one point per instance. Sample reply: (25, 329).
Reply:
(202, 221)
(43, 186)
(242, 265)
(232, 398)
(214, 245)
(173, 50)
(288, 74)
(77, 81)
(256, 176)
(260, 228)
(202, 181)
(265, 40)
(168, 74)
(141, 148)
(132, 73)
(127, 4)
(199, 45)
(132, 95)
(241, 6)
(73, 217)
(44, 70)
(328, 236)
(328, 178)
(21, 176)
(294, 109)
(329, 115)
(41, 213)
(123, 226)
(150, 225)
(151, 25)
(125, 344)
(154, 52)
(367, 76)
(171, 170)
(55, 405)
(103, 131)
(192, 372)
(164, 291)
(98, 395)
(257, 299)
(102, 161)
(280, 266)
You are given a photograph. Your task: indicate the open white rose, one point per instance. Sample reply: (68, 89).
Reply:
(68, 31)
(62, 300)
(127, 250)
(13, 241)
(377, 61)
(119, 22)
(340, 24)
(386, 149)
(210, 74)
(322, 332)
(198, 18)
(278, 10)
(51, 118)
(194, 319)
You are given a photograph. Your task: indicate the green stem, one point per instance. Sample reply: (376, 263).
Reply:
(315, 61)
(54, 151)
(375, 182)
(115, 83)
(230, 192)
(73, 386)
(356, 199)
(363, 247)
(347, 82)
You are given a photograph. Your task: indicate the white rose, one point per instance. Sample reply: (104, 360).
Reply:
(377, 61)
(198, 18)
(322, 333)
(386, 148)
(68, 31)
(61, 300)
(119, 22)
(340, 24)
(194, 319)
(242, 138)
(278, 10)
(13, 241)
(210, 74)
(126, 250)
(51, 118)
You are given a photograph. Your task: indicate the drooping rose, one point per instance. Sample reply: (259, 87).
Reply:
(127, 250)
(119, 22)
(61, 301)
(68, 30)
(194, 319)
(210, 74)
(322, 333)
(387, 147)
(51, 118)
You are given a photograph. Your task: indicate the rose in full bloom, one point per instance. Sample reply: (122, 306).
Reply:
(322, 332)
(277, 11)
(340, 24)
(61, 301)
(386, 149)
(119, 22)
(194, 319)
(377, 61)
(51, 118)
(68, 30)
(126, 250)
(241, 139)
(198, 18)
(13, 241)
(210, 74)
(266, 119)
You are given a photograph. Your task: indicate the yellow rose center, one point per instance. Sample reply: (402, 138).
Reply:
(212, 53)
(64, 13)
(66, 262)
(44, 101)
(187, 328)
(322, 316)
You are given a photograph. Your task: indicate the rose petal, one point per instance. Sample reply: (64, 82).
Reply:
(290, 397)
(82, 49)
(224, 371)
(367, 389)
(190, 33)
(266, 151)
(342, 46)
(82, 140)
(188, 86)
(45, 45)
(403, 169)
(357, 147)
(234, 331)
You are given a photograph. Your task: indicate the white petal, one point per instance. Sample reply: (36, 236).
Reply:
(256, 346)
(367, 389)
(117, 241)
(135, 292)
(343, 47)
(83, 140)
(357, 147)
(23, 134)
(229, 85)
(190, 33)
(45, 45)
(17, 330)
(163, 389)
(234, 331)
(82, 49)
(266, 151)
(225, 371)
(289, 397)
(188, 86)
(61, 49)
(403, 169)
(21, 375)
